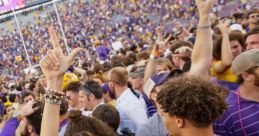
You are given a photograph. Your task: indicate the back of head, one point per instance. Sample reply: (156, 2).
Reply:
(108, 114)
(36, 118)
(94, 88)
(73, 87)
(194, 99)
(80, 123)
(83, 133)
(119, 75)
(12, 98)
(63, 107)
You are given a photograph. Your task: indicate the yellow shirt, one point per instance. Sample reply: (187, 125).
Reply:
(112, 102)
(228, 75)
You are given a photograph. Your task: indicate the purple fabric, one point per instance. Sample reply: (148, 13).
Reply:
(230, 125)
(103, 52)
(10, 127)
(63, 123)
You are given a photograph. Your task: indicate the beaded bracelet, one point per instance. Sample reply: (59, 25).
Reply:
(53, 97)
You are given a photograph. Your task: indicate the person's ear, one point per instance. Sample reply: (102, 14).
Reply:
(30, 128)
(246, 76)
(179, 122)
(152, 96)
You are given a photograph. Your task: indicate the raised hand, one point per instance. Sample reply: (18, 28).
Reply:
(224, 25)
(55, 63)
(204, 6)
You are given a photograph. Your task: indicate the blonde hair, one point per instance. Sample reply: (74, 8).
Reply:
(119, 75)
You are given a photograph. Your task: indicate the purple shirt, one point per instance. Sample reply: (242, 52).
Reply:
(103, 52)
(230, 125)
(10, 127)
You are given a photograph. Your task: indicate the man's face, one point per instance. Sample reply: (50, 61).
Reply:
(84, 100)
(253, 18)
(28, 98)
(252, 42)
(72, 98)
(160, 68)
(137, 83)
(236, 48)
(256, 77)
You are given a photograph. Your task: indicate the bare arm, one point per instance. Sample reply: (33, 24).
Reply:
(226, 55)
(202, 51)
(54, 65)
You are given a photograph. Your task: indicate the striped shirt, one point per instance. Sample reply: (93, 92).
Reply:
(230, 124)
(151, 108)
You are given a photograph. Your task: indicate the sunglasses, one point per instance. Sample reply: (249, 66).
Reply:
(68, 97)
(87, 87)
(255, 16)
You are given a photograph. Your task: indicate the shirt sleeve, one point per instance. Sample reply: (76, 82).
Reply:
(10, 127)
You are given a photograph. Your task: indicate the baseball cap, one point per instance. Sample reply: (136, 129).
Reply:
(159, 79)
(245, 61)
(236, 27)
(137, 71)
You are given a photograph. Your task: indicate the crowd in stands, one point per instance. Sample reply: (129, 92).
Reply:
(180, 70)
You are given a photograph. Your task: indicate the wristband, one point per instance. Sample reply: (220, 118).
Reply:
(204, 26)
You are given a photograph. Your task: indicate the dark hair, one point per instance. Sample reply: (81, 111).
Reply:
(240, 80)
(108, 114)
(106, 66)
(117, 64)
(12, 98)
(193, 98)
(63, 107)
(94, 88)
(128, 61)
(25, 94)
(83, 133)
(80, 123)
(234, 36)
(255, 30)
(73, 87)
(35, 118)
(143, 55)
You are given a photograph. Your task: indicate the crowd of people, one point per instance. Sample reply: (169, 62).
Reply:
(180, 70)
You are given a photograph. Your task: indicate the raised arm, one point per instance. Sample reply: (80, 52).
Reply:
(226, 55)
(54, 65)
(202, 51)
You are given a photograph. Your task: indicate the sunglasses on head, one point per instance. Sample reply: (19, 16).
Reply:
(87, 87)
(134, 68)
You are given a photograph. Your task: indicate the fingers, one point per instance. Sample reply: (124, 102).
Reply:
(53, 37)
(53, 58)
(50, 61)
(73, 54)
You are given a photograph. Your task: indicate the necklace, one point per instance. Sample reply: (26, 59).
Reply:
(239, 112)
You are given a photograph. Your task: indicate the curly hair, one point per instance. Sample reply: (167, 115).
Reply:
(199, 101)
(79, 123)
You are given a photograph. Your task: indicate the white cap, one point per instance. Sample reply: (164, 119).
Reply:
(236, 27)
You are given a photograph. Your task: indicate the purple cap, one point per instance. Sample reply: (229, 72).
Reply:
(159, 78)
(106, 88)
